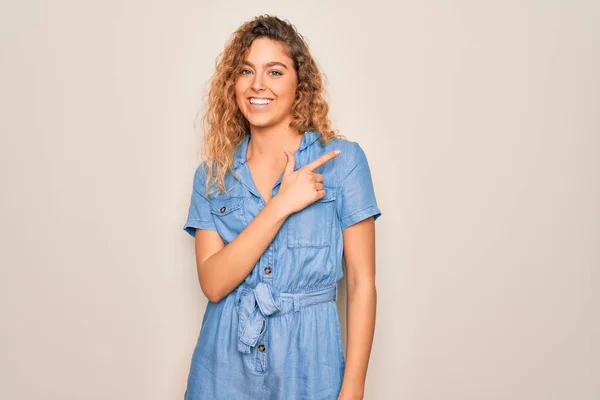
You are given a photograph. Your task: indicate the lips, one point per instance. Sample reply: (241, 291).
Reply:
(256, 103)
(260, 101)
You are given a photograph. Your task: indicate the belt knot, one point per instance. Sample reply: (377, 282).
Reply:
(254, 308)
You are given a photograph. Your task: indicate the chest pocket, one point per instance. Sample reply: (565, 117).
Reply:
(228, 215)
(313, 225)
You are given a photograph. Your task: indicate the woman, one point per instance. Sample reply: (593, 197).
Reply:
(279, 201)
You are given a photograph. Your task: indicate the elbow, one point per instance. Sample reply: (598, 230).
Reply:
(211, 284)
(212, 296)
(208, 286)
(211, 291)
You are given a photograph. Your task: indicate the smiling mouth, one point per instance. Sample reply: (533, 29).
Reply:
(259, 102)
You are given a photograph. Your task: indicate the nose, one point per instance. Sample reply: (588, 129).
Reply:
(258, 84)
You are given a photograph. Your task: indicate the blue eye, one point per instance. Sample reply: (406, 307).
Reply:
(245, 70)
(277, 72)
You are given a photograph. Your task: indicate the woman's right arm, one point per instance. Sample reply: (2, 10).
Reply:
(221, 268)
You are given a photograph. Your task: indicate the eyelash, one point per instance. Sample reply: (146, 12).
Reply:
(279, 73)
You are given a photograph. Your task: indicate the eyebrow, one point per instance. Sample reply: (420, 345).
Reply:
(269, 64)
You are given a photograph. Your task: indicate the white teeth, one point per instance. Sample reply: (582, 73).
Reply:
(260, 101)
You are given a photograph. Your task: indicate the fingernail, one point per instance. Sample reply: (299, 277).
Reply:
(337, 152)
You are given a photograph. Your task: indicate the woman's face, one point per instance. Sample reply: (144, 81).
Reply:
(266, 85)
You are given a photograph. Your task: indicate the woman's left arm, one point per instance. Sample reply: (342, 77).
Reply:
(359, 252)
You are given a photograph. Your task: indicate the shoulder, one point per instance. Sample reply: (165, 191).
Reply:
(352, 152)
(201, 172)
(201, 175)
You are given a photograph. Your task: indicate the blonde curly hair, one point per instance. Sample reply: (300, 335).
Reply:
(224, 125)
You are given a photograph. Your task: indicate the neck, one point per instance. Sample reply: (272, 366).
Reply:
(268, 144)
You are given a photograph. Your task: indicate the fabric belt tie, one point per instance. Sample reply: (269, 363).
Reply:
(258, 303)
(255, 307)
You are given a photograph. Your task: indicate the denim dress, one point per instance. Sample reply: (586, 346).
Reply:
(277, 335)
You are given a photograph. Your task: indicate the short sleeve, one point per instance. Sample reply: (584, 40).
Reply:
(199, 215)
(358, 200)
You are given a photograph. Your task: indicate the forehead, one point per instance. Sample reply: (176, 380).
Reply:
(263, 50)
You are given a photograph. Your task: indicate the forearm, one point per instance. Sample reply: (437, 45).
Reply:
(361, 312)
(227, 268)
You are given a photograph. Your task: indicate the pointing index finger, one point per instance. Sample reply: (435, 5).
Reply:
(319, 161)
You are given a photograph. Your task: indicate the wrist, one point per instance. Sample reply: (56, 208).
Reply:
(279, 208)
(347, 395)
(352, 390)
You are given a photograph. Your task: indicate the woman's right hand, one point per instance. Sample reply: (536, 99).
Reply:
(302, 187)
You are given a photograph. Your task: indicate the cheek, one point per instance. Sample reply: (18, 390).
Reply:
(287, 92)
(239, 101)
(239, 96)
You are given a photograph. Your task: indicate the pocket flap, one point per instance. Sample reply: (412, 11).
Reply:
(330, 194)
(226, 205)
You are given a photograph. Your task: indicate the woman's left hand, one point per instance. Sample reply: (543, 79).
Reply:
(347, 396)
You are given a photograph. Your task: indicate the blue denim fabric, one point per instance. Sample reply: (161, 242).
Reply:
(277, 335)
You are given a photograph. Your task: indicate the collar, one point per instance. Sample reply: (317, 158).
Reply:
(239, 157)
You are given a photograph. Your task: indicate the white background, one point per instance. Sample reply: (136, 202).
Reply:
(481, 124)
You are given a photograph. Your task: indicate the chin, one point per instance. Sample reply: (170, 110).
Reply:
(260, 122)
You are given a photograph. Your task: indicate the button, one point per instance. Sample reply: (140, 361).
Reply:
(267, 270)
(223, 209)
(261, 348)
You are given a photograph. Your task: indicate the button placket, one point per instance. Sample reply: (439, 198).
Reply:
(267, 277)
(261, 350)
(267, 263)
(261, 353)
